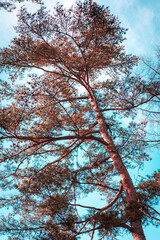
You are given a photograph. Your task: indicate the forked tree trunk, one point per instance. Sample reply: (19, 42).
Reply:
(128, 186)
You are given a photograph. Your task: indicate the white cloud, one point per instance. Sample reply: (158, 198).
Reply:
(140, 17)
(120, 5)
(141, 30)
(67, 3)
(50, 4)
(7, 21)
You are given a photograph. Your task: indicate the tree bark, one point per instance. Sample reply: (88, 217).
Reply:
(128, 186)
(137, 233)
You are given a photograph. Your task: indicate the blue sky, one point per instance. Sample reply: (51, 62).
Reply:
(142, 19)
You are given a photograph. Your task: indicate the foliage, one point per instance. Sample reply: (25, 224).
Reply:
(62, 131)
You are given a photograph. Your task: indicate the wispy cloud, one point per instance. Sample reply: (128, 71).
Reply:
(142, 19)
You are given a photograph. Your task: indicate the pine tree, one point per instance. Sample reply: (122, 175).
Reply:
(62, 130)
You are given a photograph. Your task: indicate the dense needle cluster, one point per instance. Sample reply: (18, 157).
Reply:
(62, 131)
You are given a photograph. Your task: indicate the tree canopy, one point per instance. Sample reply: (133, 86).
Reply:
(62, 131)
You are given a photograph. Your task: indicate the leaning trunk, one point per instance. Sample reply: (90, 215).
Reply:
(128, 186)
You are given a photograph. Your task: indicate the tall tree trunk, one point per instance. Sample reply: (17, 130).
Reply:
(137, 233)
(128, 186)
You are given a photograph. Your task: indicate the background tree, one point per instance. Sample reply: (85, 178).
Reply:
(62, 130)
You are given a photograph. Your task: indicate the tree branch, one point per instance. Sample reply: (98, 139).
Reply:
(127, 108)
(107, 206)
(114, 200)
(145, 205)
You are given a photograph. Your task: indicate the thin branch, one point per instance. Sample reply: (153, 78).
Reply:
(145, 205)
(62, 100)
(93, 231)
(149, 111)
(99, 185)
(23, 150)
(21, 229)
(150, 67)
(140, 140)
(73, 99)
(89, 230)
(103, 236)
(107, 206)
(114, 200)
(94, 165)
(48, 139)
(70, 118)
(61, 157)
(127, 108)
(83, 206)
(148, 215)
(82, 227)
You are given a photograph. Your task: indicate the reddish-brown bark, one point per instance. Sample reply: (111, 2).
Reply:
(127, 183)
